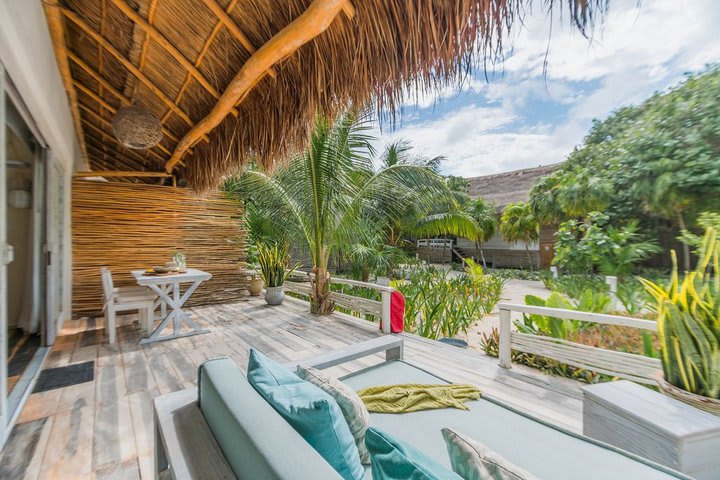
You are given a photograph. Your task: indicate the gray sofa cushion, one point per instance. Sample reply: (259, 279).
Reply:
(256, 441)
(542, 450)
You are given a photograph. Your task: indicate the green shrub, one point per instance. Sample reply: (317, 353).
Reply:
(273, 262)
(439, 306)
(597, 246)
(490, 345)
(688, 315)
(516, 274)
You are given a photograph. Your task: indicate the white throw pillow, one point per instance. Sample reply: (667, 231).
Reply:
(474, 461)
(353, 409)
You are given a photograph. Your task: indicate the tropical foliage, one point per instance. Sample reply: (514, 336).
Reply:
(688, 315)
(656, 163)
(594, 246)
(273, 262)
(518, 223)
(330, 197)
(438, 305)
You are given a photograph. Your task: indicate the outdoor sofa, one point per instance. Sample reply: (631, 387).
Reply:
(233, 433)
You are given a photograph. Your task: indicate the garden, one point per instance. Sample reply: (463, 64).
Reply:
(645, 180)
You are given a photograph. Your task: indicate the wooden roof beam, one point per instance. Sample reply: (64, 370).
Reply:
(75, 18)
(200, 57)
(113, 173)
(117, 158)
(116, 93)
(57, 32)
(314, 21)
(230, 24)
(152, 7)
(168, 47)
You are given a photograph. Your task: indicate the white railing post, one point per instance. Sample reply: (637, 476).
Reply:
(386, 296)
(504, 347)
(612, 285)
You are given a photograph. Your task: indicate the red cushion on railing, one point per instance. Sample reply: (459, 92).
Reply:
(397, 312)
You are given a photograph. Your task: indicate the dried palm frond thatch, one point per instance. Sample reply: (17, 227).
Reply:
(384, 51)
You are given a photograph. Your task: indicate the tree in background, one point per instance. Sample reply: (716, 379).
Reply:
(485, 215)
(657, 163)
(330, 196)
(518, 223)
(443, 217)
(593, 245)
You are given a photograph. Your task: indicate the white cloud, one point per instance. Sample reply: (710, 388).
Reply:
(639, 50)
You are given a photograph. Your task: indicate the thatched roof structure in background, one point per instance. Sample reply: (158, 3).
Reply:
(182, 60)
(501, 189)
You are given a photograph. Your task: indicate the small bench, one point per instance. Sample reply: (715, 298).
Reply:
(654, 426)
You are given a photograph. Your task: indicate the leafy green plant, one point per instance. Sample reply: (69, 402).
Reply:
(473, 269)
(633, 297)
(518, 223)
(658, 160)
(324, 197)
(705, 220)
(594, 245)
(490, 345)
(516, 273)
(588, 301)
(688, 315)
(273, 262)
(439, 306)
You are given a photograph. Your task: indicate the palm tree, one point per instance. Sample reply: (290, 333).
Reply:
(327, 194)
(443, 215)
(485, 215)
(518, 223)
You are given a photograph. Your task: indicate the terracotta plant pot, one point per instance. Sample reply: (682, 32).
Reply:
(711, 405)
(274, 295)
(256, 286)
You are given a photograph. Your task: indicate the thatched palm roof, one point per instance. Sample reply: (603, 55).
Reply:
(232, 79)
(500, 189)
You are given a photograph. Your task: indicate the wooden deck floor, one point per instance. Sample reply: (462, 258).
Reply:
(103, 429)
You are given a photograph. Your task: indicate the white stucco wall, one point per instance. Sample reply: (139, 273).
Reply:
(27, 55)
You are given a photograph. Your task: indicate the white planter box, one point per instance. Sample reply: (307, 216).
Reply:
(654, 426)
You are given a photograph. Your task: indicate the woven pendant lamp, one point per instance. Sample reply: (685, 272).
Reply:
(135, 127)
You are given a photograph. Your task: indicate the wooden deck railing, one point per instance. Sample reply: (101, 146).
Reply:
(638, 368)
(380, 309)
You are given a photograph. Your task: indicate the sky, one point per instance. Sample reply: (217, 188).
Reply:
(525, 116)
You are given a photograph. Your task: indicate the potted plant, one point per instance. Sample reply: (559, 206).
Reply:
(256, 284)
(688, 315)
(274, 270)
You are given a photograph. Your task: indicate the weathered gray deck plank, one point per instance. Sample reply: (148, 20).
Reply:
(104, 429)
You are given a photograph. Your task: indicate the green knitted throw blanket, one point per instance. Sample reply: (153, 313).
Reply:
(412, 397)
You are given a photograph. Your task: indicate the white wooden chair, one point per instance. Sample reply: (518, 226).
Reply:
(123, 299)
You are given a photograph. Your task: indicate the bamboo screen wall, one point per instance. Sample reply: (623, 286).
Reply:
(134, 226)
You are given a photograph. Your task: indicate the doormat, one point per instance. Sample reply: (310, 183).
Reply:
(59, 377)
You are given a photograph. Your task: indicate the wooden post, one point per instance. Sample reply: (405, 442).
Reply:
(612, 285)
(386, 297)
(504, 348)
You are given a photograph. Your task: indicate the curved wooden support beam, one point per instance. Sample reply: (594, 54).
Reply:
(57, 33)
(314, 21)
(230, 24)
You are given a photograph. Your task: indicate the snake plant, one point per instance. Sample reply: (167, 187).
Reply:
(273, 261)
(688, 315)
